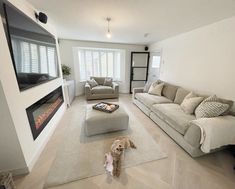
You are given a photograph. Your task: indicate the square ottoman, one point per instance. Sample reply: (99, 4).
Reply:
(97, 122)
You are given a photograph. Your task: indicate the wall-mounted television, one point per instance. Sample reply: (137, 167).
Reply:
(33, 49)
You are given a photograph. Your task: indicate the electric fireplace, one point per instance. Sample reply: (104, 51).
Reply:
(41, 112)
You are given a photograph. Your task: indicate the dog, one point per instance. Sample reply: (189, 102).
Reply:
(117, 150)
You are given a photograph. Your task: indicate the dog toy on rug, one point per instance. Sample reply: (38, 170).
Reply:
(108, 164)
(117, 150)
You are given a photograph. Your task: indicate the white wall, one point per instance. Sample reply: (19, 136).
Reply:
(202, 60)
(9, 143)
(66, 50)
(18, 101)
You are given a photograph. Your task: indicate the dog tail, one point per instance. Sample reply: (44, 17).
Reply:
(132, 145)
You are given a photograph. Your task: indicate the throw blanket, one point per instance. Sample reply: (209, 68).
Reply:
(216, 132)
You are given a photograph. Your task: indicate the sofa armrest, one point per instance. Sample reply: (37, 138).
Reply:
(116, 88)
(137, 90)
(215, 132)
(193, 135)
(87, 89)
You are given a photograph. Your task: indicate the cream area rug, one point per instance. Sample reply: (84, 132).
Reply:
(81, 157)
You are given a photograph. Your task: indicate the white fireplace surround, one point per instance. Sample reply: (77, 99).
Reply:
(19, 151)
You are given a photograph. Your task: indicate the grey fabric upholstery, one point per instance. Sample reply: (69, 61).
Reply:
(148, 99)
(99, 80)
(141, 106)
(98, 122)
(137, 90)
(180, 95)
(108, 82)
(179, 138)
(174, 116)
(100, 91)
(169, 91)
(171, 118)
(193, 135)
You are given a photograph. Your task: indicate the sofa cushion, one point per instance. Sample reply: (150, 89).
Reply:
(100, 89)
(229, 102)
(148, 84)
(156, 89)
(148, 99)
(99, 80)
(211, 107)
(92, 83)
(180, 95)
(169, 91)
(190, 103)
(174, 116)
(108, 82)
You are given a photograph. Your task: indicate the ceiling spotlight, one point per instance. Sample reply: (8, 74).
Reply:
(108, 34)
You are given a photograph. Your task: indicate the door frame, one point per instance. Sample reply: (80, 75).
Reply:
(132, 68)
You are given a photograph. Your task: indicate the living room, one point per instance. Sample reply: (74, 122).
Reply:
(120, 94)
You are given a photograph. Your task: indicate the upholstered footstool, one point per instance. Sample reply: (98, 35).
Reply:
(98, 122)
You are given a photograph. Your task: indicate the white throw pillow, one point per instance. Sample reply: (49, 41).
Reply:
(191, 102)
(156, 89)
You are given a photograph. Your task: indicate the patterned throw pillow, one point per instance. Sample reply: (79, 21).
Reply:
(92, 83)
(190, 103)
(156, 89)
(211, 107)
(108, 82)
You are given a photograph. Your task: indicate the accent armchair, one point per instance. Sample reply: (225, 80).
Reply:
(101, 91)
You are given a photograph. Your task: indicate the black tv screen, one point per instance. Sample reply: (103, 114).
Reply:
(33, 49)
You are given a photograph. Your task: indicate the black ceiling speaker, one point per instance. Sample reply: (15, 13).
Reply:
(146, 48)
(42, 17)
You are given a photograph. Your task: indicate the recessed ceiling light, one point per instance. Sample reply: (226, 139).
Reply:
(146, 34)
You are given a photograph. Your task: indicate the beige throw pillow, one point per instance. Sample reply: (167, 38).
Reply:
(211, 107)
(108, 82)
(156, 89)
(190, 103)
(92, 83)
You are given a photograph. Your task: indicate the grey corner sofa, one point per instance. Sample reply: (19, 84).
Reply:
(166, 112)
(101, 91)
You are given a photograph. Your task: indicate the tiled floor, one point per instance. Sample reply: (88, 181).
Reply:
(177, 171)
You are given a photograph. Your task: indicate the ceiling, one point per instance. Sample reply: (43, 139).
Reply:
(131, 19)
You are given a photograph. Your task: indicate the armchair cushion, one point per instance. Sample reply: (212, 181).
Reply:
(100, 89)
(99, 80)
(92, 83)
(108, 82)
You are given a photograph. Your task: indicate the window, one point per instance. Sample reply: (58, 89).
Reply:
(100, 63)
(156, 60)
(37, 57)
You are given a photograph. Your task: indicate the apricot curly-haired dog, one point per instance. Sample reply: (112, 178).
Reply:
(117, 149)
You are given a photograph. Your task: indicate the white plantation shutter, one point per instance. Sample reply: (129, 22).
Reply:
(26, 57)
(36, 58)
(43, 59)
(99, 62)
(51, 61)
